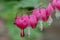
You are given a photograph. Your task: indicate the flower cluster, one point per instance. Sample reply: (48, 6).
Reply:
(38, 15)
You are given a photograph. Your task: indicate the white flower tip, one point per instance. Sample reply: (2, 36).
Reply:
(50, 21)
(28, 34)
(41, 28)
(57, 14)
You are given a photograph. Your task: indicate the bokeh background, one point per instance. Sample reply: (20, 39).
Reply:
(8, 9)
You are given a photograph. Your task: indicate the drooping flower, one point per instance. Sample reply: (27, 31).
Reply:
(26, 18)
(18, 22)
(56, 4)
(50, 9)
(22, 23)
(43, 18)
(33, 21)
(44, 15)
(36, 12)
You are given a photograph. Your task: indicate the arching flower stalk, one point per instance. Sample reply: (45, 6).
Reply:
(38, 15)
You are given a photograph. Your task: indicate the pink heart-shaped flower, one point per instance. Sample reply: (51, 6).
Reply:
(56, 4)
(18, 22)
(25, 19)
(50, 9)
(22, 23)
(44, 14)
(36, 12)
(33, 21)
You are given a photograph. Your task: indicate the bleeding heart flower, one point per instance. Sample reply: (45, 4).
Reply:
(44, 15)
(33, 21)
(25, 19)
(21, 23)
(50, 9)
(56, 4)
(18, 22)
(38, 15)
(36, 12)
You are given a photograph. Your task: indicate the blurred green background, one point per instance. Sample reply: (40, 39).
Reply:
(8, 9)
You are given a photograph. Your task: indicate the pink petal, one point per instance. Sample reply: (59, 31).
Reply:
(25, 20)
(36, 12)
(54, 3)
(44, 14)
(58, 5)
(33, 21)
(50, 9)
